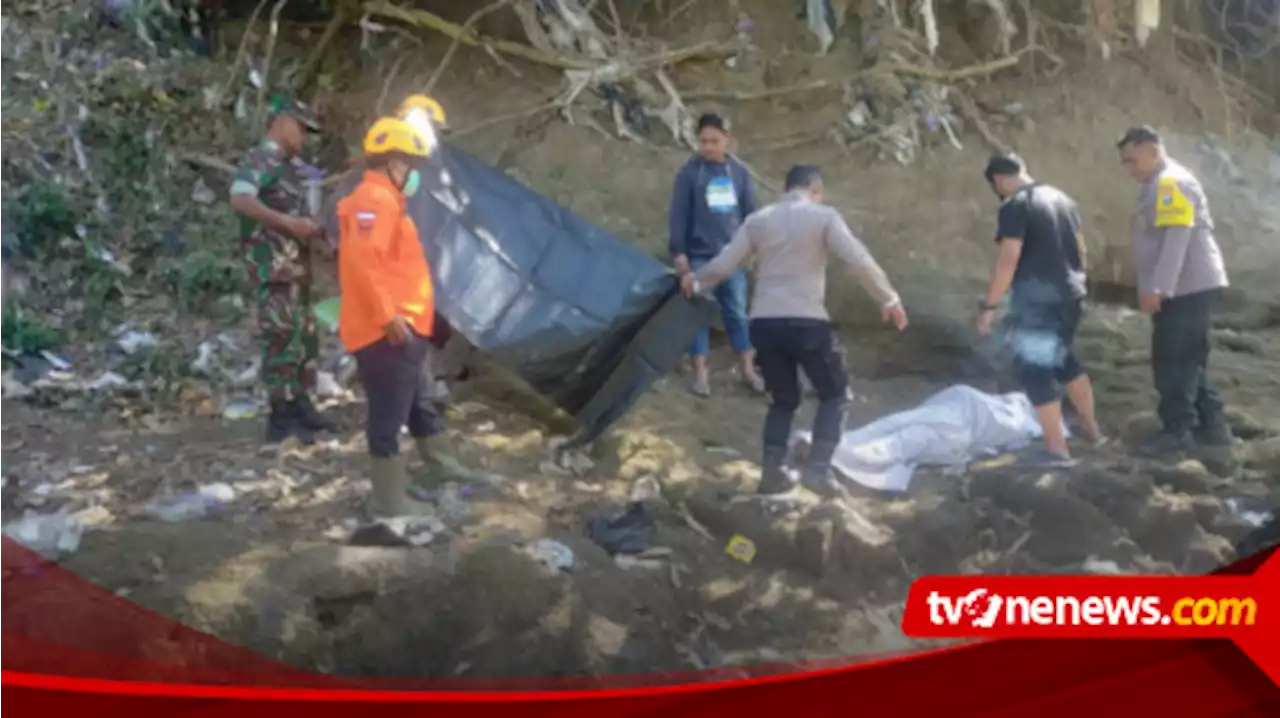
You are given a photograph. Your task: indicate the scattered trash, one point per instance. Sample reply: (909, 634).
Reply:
(627, 531)
(821, 22)
(107, 380)
(646, 488)
(326, 312)
(12, 388)
(410, 531)
(31, 367)
(1253, 518)
(466, 491)
(451, 503)
(575, 461)
(627, 562)
(202, 194)
(131, 341)
(327, 386)
(741, 548)
(551, 553)
(1101, 567)
(240, 409)
(56, 361)
(205, 360)
(191, 505)
(50, 535)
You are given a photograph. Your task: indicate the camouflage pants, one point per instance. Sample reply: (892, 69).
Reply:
(287, 332)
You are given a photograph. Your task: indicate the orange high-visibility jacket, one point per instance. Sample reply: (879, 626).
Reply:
(382, 269)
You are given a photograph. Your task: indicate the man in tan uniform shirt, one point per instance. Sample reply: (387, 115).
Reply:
(1180, 275)
(792, 240)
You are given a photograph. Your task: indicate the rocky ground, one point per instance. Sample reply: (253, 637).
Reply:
(123, 264)
(274, 569)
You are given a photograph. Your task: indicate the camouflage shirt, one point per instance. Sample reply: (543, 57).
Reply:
(271, 256)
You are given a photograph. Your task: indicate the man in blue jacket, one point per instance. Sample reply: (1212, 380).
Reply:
(713, 195)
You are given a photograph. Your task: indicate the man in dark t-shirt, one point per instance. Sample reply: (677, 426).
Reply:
(1042, 260)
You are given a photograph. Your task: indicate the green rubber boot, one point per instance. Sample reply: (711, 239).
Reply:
(390, 490)
(441, 467)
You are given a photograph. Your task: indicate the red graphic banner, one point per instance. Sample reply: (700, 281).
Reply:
(74, 647)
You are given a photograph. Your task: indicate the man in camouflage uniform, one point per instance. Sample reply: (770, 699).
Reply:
(275, 236)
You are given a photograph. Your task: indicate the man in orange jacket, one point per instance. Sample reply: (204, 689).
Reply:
(388, 307)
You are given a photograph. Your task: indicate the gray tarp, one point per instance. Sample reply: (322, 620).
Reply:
(584, 318)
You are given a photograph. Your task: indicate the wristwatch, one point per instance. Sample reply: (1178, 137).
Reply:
(983, 306)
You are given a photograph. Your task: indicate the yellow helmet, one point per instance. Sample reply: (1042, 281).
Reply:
(391, 134)
(427, 105)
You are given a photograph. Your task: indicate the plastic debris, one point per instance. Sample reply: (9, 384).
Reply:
(466, 491)
(821, 22)
(50, 535)
(327, 387)
(202, 194)
(399, 531)
(451, 504)
(628, 531)
(551, 553)
(132, 341)
(107, 380)
(240, 409)
(191, 505)
(326, 312)
(741, 548)
(627, 562)
(646, 488)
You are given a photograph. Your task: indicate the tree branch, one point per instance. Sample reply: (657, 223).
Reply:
(468, 36)
(463, 30)
(900, 68)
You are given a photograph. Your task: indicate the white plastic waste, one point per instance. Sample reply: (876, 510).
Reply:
(553, 554)
(191, 505)
(50, 535)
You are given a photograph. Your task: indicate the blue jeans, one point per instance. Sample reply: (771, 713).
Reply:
(731, 294)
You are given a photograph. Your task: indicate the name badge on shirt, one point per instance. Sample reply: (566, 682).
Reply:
(721, 196)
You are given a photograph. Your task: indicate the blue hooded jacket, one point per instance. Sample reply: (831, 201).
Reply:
(710, 201)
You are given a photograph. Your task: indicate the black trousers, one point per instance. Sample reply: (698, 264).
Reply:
(1180, 363)
(397, 382)
(1044, 338)
(784, 346)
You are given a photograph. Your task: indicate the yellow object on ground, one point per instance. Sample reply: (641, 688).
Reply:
(741, 548)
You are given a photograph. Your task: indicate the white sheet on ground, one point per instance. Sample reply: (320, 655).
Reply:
(951, 428)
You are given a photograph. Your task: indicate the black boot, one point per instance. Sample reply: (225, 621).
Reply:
(1167, 445)
(1215, 435)
(281, 422)
(817, 474)
(310, 417)
(773, 477)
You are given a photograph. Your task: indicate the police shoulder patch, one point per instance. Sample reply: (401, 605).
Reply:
(365, 221)
(1173, 207)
